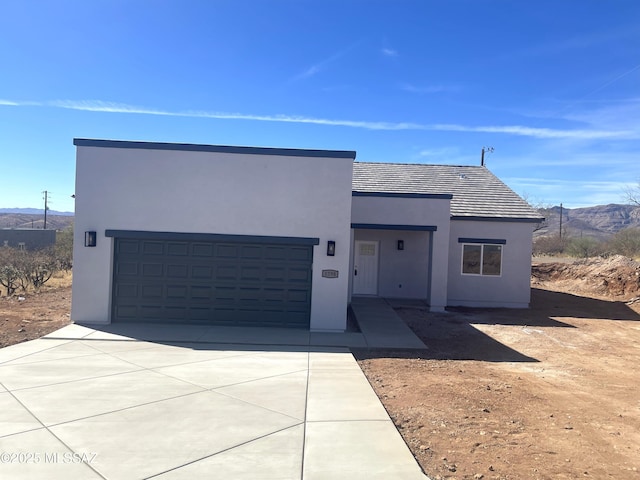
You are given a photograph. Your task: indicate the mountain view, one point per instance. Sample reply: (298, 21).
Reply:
(600, 221)
(55, 220)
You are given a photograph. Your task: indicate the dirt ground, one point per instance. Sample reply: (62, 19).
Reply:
(30, 315)
(552, 392)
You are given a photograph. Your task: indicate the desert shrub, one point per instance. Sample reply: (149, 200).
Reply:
(11, 269)
(23, 269)
(549, 245)
(626, 242)
(10, 278)
(38, 267)
(585, 247)
(64, 248)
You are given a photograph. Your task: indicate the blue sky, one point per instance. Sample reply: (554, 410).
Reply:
(553, 86)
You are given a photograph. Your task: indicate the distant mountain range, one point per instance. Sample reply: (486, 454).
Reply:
(600, 221)
(35, 211)
(55, 220)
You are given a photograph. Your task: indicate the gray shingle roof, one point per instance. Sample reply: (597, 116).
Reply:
(476, 191)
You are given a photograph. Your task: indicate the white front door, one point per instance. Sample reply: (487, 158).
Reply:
(365, 269)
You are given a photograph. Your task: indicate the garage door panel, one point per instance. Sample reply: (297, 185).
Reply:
(199, 313)
(249, 295)
(126, 312)
(298, 296)
(202, 272)
(177, 292)
(201, 292)
(202, 250)
(150, 311)
(224, 250)
(250, 273)
(152, 269)
(299, 275)
(251, 251)
(127, 268)
(224, 316)
(151, 292)
(224, 295)
(178, 249)
(227, 272)
(274, 295)
(152, 248)
(215, 283)
(301, 254)
(278, 252)
(177, 271)
(126, 290)
(176, 312)
(275, 274)
(124, 246)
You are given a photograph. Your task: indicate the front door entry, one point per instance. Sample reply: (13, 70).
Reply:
(365, 272)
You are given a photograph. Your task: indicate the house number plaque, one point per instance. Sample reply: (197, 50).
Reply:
(330, 273)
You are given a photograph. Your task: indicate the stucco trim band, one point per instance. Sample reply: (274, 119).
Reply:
(191, 147)
(211, 237)
(377, 226)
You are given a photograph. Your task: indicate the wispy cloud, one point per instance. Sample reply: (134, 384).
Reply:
(429, 88)
(580, 159)
(439, 152)
(322, 65)
(535, 132)
(625, 115)
(583, 193)
(516, 130)
(446, 155)
(585, 41)
(389, 52)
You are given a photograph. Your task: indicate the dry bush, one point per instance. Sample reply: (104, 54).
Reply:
(23, 269)
(626, 242)
(549, 245)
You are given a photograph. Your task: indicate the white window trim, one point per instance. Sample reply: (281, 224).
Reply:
(482, 245)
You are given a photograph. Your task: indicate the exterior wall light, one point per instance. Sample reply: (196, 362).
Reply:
(90, 239)
(400, 244)
(331, 248)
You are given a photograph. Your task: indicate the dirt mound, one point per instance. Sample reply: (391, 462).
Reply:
(615, 276)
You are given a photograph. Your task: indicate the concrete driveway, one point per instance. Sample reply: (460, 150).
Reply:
(176, 402)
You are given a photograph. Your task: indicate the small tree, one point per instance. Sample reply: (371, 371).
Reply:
(632, 194)
(549, 245)
(10, 269)
(64, 248)
(38, 267)
(584, 247)
(626, 242)
(9, 278)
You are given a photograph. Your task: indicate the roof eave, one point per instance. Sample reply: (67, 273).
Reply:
(477, 218)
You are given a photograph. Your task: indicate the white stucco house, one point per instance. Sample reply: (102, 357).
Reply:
(286, 237)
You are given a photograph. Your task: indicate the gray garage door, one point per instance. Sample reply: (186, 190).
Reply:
(212, 282)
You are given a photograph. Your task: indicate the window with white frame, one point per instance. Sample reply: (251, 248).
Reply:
(482, 259)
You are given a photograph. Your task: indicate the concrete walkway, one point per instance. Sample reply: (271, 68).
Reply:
(381, 326)
(183, 402)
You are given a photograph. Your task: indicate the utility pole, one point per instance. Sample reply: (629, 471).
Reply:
(560, 221)
(485, 149)
(45, 197)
